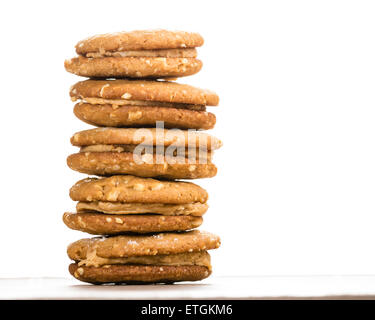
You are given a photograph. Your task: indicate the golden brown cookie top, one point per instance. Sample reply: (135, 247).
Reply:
(143, 245)
(139, 40)
(131, 189)
(146, 136)
(143, 90)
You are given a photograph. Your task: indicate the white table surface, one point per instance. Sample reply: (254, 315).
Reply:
(212, 288)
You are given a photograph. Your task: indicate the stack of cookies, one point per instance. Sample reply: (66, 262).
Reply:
(149, 136)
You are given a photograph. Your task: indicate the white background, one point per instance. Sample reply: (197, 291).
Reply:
(295, 189)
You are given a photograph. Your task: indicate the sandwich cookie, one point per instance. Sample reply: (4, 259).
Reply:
(137, 54)
(163, 257)
(120, 204)
(171, 154)
(140, 103)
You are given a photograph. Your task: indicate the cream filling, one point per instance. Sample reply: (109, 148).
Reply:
(201, 258)
(166, 53)
(193, 209)
(199, 154)
(119, 102)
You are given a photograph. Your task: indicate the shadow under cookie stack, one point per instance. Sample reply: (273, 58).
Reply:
(148, 137)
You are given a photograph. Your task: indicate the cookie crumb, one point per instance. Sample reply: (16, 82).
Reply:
(118, 220)
(126, 95)
(80, 271)
(102, 89)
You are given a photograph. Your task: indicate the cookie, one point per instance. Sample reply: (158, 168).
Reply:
(137, 54)
(107, 224)
(162, 257)
(139, 40)
(157, 153)
(124, 103)
(130, 189)
(142, 245)
(146, 136)
(129, 195)
(138, 274)
(107, 115)
(113, 163)
(133, 67)
(133, 92)
(187, 209)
